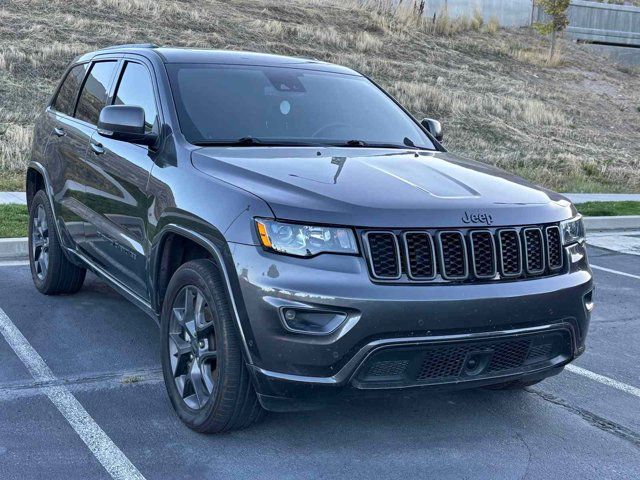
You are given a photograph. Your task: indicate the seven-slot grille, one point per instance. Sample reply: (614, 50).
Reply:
(464, 255)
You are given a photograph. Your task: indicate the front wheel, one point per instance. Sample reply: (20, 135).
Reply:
(204, 371)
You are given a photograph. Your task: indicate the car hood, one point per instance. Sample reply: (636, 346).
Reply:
(366, 187)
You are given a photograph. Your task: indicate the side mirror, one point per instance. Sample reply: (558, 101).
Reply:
(434, 127)
(125, 123)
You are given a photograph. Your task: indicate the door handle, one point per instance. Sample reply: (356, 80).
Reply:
(97, 148)
(59, 132)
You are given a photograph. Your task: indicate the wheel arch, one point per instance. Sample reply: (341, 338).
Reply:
(35, 181)
(177, 244)
(37, 178)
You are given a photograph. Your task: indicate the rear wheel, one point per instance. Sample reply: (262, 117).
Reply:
(205, 375)
(52, 272)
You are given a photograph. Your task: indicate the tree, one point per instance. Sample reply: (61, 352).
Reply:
(557, 11)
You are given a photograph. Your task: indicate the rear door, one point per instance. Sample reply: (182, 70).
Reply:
(75, 109)
(64, 154)
(117, 234)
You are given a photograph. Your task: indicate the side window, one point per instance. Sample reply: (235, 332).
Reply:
(136, 88)
(94, 92)
(66, 98)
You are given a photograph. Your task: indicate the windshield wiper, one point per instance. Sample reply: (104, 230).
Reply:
(250, 141)
(355, 143)
(362, 143)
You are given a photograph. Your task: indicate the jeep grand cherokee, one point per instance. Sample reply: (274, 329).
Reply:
(297, 234)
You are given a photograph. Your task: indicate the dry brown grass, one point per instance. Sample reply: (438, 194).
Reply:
(571, 125)
(492, 26)
(539, 57)
(403, 15)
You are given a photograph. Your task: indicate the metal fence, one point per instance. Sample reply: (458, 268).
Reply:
(589, 21)
(508, 13)
(601, 22)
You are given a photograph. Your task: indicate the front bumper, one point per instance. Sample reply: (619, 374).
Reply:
(295, 366)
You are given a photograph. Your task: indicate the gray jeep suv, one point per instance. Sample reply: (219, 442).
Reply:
(297, 234)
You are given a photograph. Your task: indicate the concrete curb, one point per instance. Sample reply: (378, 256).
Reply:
(14, 248)
(18, 248)
(628, 222)
(13, 197)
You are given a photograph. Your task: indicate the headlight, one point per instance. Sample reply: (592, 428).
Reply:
(572, 230)
(305, 240)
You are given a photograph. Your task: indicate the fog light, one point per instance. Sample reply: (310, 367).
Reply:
(310, 321)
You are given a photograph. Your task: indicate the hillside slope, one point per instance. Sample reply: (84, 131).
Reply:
(570, 127)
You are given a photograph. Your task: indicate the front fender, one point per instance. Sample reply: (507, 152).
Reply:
(213, 242)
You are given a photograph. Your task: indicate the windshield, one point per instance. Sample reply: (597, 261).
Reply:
(249, 105)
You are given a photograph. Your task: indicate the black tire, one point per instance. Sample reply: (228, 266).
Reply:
(513, 385)
(228, 401)
(57, 275)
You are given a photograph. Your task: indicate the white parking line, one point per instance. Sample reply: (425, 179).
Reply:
(617, 272)
(13, 263)
(604, 380)
(105, 451)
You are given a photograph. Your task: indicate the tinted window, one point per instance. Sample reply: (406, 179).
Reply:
(66, 98)
(135, 88)
(94, 92)
(224, 103)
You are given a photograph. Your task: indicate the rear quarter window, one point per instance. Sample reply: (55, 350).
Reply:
(94, 92)
(65, 100)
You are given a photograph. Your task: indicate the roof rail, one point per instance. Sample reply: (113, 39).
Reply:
(131, 45)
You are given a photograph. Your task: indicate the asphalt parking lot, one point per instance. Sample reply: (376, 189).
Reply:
(584, 423)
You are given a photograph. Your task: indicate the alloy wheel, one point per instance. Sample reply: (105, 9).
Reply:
(40, 242)
(192, 347)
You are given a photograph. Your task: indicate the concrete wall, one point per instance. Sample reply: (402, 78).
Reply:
(622, 55)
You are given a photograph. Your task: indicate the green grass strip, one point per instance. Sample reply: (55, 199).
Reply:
(608, 209)
(13, 221)
(14, 218)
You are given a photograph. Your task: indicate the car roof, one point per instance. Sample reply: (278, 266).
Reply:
(222, 57)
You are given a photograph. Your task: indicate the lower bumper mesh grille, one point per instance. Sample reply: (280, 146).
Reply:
(449, 361)
(467, 360)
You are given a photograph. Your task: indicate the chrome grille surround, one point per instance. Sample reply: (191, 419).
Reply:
(476, 255)
(431, 253)
(555, 256)
(447, 249)
(504, 235)
(531, 236)
(374, 268)
(467, 255)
